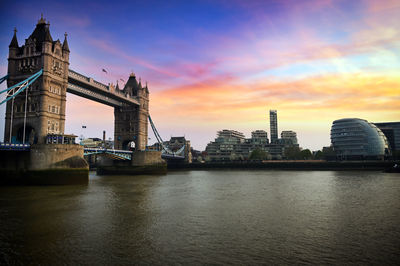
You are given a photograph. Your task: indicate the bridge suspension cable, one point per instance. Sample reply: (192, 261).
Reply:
(13, 91)
(155, 131)
(164, 148)
(3, 79)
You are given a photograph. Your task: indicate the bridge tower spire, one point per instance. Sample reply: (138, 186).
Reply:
(47, 95)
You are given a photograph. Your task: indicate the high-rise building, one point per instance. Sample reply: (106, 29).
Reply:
(273, 121)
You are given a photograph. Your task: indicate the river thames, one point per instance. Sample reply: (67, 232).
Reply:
(206, 217)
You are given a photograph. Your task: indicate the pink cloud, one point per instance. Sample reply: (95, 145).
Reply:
(113, 50)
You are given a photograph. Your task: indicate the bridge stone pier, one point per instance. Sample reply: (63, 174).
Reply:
(39, 111)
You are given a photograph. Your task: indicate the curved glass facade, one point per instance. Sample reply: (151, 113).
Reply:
(354, 137)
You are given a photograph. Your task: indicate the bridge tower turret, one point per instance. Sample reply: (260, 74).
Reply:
(47, 95)
(131, 121)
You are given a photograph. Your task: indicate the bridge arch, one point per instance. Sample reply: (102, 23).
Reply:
(30, 134)
(127, 145)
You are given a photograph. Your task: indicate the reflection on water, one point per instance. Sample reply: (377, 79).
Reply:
(224, 217)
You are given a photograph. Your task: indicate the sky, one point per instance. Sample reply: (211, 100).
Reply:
(223, 64)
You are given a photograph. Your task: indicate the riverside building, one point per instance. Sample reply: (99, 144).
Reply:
(289, 137)
(392, 133)
(231, 145)
(355, 139)
(273, 122)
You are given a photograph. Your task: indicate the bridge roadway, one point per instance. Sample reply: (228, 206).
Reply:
(118, 154)
(86, 87)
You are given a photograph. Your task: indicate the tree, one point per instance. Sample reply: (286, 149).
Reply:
(318, 155)
(258, 154)
(306, 154)
(292, 153)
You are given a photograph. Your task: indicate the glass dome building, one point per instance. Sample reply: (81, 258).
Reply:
(354, 138)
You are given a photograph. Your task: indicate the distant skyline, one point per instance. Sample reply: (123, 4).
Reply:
(214, 65)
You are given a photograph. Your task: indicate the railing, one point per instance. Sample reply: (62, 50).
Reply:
(99, 86)
(119, 154)
(89, 93)
(107, 150)
(14, 146)
(91, 81)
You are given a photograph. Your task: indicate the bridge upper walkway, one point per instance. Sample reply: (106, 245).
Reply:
(89, 88)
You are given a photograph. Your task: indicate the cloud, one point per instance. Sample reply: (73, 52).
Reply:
(224, 100)
(115, 51)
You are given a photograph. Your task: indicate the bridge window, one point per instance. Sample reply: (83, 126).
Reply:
(53, 109)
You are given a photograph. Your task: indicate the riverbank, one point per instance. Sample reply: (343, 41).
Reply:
(289, 165)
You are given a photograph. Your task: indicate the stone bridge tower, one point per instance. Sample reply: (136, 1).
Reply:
(47, 95)
(131, 121)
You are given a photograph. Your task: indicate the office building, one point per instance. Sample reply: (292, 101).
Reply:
(354, 138)
(392, 133)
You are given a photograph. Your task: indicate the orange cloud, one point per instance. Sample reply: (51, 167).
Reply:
(227, 100)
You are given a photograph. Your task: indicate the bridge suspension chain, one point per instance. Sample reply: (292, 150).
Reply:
(164, 148)
(155, 131)
(3, 79)
(13, 91)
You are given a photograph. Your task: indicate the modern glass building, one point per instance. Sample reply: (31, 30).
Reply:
(354, 138)
(392, 133)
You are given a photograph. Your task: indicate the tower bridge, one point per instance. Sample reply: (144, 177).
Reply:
(40, 111)
(38, 80)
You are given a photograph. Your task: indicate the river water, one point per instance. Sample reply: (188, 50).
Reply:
(206, 217)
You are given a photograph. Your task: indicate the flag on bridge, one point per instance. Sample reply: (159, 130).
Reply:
(104, 71)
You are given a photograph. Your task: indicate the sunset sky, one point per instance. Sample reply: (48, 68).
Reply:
(222, 64)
